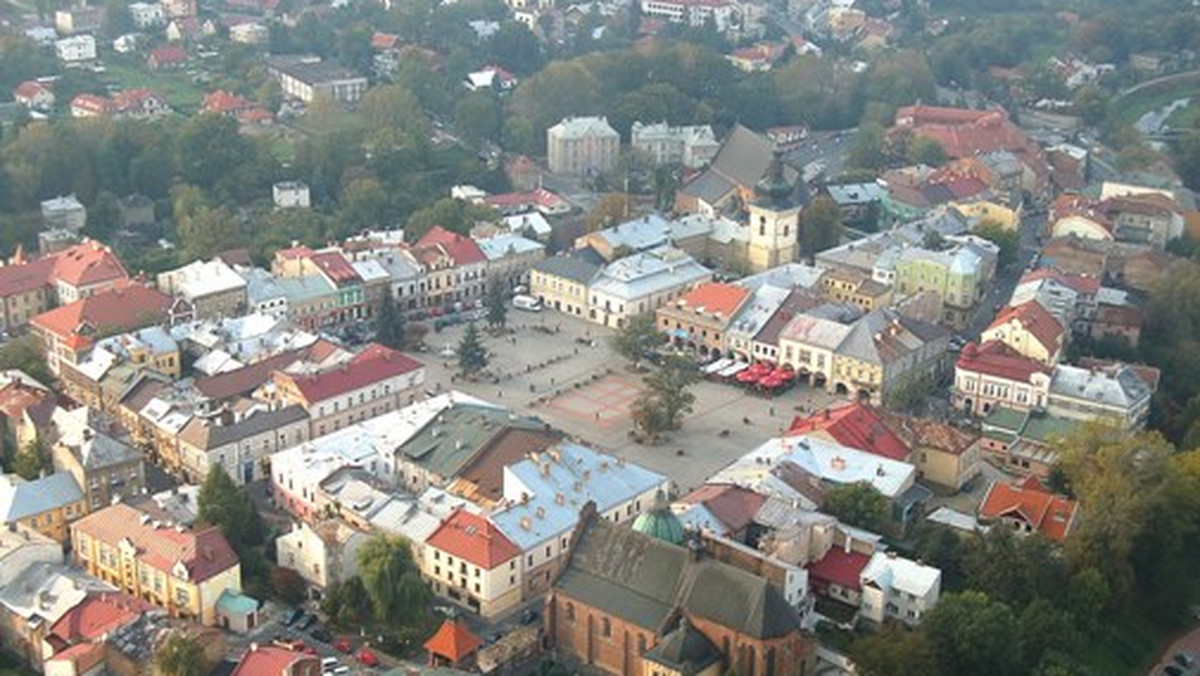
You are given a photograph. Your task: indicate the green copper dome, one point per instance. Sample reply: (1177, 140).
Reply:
(660, 522)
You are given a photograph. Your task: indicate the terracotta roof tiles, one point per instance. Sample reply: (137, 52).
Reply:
(474, 539)
(453, 641)
(856, 425)
(203, 553)
(995, 358)
(1031, 502)
(374, 364)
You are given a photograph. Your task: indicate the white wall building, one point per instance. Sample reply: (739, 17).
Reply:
(76, 49)
(895, 588)
(291, 195)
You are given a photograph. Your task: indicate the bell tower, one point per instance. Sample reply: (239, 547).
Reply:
(774, 219)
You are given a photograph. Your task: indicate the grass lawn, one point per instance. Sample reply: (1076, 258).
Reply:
(1133, 107)
(181, 93)
(328, 122)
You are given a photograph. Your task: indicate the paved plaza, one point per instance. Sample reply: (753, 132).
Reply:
(562, 370)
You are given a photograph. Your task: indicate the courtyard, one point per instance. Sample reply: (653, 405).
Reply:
(562, 370)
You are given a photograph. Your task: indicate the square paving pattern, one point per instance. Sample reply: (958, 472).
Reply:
(605, 402)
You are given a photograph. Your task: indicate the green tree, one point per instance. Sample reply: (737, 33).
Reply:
(27, 354)
(227, 505)
(867, 149)
(288, 586)
(497, 306)
(207, 232)
(1087, 596)
(181, 655)
(670, 385)
(30, 461)
(820, 225)
(858, 504)
(364, 206)
(942, 548)
(390, 327)
(477, 117)
(210, 148)
(392, 580)
(927, 151)
(611, 209)
(638, 337)
(452, 214)
(472, 355)
(972, 634)
(1045, 629)
(1007, 239)
(894, 651)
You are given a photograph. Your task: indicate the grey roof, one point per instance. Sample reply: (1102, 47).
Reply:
(20, 499)
(643, 580)
(1118, 386)
(850, 194)
(742, 161)
(207, 435)
(568, 267)
(684, 650)
(455, 437)
(102, 450)
(316, 73)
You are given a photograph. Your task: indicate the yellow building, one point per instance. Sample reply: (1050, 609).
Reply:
(985, 211)
(561, 283)
(839, 286)
(182, 571)
(45, 505)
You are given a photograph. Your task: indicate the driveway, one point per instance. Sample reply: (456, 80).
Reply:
(1189, 643)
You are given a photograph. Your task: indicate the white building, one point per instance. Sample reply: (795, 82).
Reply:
(642, 283)
(213, 288)
(323, 554)
(76, 49)
(250, 33)
(290, 195)
(895, 588)
(692, 146)
(147, 15)
(64, 212)
(696, 13)
(581, 146)
(306, 78)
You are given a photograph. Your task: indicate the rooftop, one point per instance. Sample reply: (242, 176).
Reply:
(841, 567)
(374, 364)
(890, 572)
(21, 499)
(474, 539)
(854, 424)
(200, 279)
(650, 272)
(126, 308)
(995, 358)
(1030, 501)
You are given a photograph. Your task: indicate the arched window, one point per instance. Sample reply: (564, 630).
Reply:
(570, 612)
(770, 661)
(606, 628)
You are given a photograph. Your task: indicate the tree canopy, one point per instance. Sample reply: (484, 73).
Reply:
(391, 579)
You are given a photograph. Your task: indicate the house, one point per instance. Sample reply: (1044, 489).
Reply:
(945, 455)
(21, 548)
(307, 77)
(85, 269)
(490, 78)
(678, 609)
(188, 28)
(76, 49)
(90, 105)
(249, 33)
(724, 14)
(69, 331)
(64, 212)
(699, 318)
(181, 571)
(76, 642)
(127, 43)
(147, 15)
(1025, 441)
(168, 57)
(138, 104)
(509, 258)
(103, 465)
(1028, 507)
(213, 288)
(995, 375)
(693, 146)
(27, 407)
(240, 440)
(273, 659)
(582, 146)
(725, 510)
(78, 19)
(374, 381)
(758, 58)
(47, 505)
(854, 424)
(562, 282)
(36, 599)
(324, 553)
(739, 165)
(895, 588)
(1116, 393)
(642, 283)
(290, 195)
(471, 562)
(466, 276)
(858, 202)
(1030, 331)
(34, 95)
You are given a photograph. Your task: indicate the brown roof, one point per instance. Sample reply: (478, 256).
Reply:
(17, 279)
(87, 263)
(509, 446)
(246, 379)
(17, 398)
(1036, 320)
(734, 506)
(124, 308)
(926, 433)
(203, 553)
(995, 358)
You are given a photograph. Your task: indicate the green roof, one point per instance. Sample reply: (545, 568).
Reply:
(1043, 426)
(237, 604)
(1038, 426)
(1004, 419)
(660, 523)
(449, 442)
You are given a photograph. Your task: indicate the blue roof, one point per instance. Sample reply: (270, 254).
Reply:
(20, 499)
(237, 604)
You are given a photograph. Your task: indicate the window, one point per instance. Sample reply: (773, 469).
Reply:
(570, 612)
(606, 628)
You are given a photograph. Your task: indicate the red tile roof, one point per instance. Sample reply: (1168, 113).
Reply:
(225, 103)
(87, 263)
(270, 660)
(91, 103)
(735, 506)
(17, 398)
(453, 641)
(995, 358)
(29, 89)
(839, 567)
(124, 308)
(384, 41)
(473, 539)
(716, 298)
(1031, 502)
(856, 425)
(23, 278)
(375, 363)
(336, 268)
(169, 54)
(1036, 320)
(97, 615)
(203, 553)
(463, 250)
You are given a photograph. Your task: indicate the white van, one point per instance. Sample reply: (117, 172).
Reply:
(527, 303)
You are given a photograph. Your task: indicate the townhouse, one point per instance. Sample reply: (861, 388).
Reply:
(561, 283)
(103, 465)
(700, 318)
(47, 505)
(213, 288)
(324, 553)
(469, 561)
(1030, 331)
(69, 331)
(641, 283)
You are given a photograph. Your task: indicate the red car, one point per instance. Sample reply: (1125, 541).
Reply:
(368, 658)
(343, 646)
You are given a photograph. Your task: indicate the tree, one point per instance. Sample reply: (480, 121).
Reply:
(867, 149)
(390, 327)
(858, 504)
(477, 117)
(972, 634)
(288, 586)
(207, 232)
(1045, 629)
(820, 225)
(1007, 239)
(29, 462)
(637, 338)
(942, 548)
(181, 655)
(225, 504)
(497, 306)
(209, 148)
(392, 580)
(472, 356)
(26, 354)
(612, 208)
(895, 651)
(669, 385)
(927, 151)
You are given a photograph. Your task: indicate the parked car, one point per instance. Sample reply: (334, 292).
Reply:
(308, 621)
(321, 634)
(343, 646)
(365, 656)
(292, 616)
(530, 616)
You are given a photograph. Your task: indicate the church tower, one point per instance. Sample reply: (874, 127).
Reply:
(774, 219)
